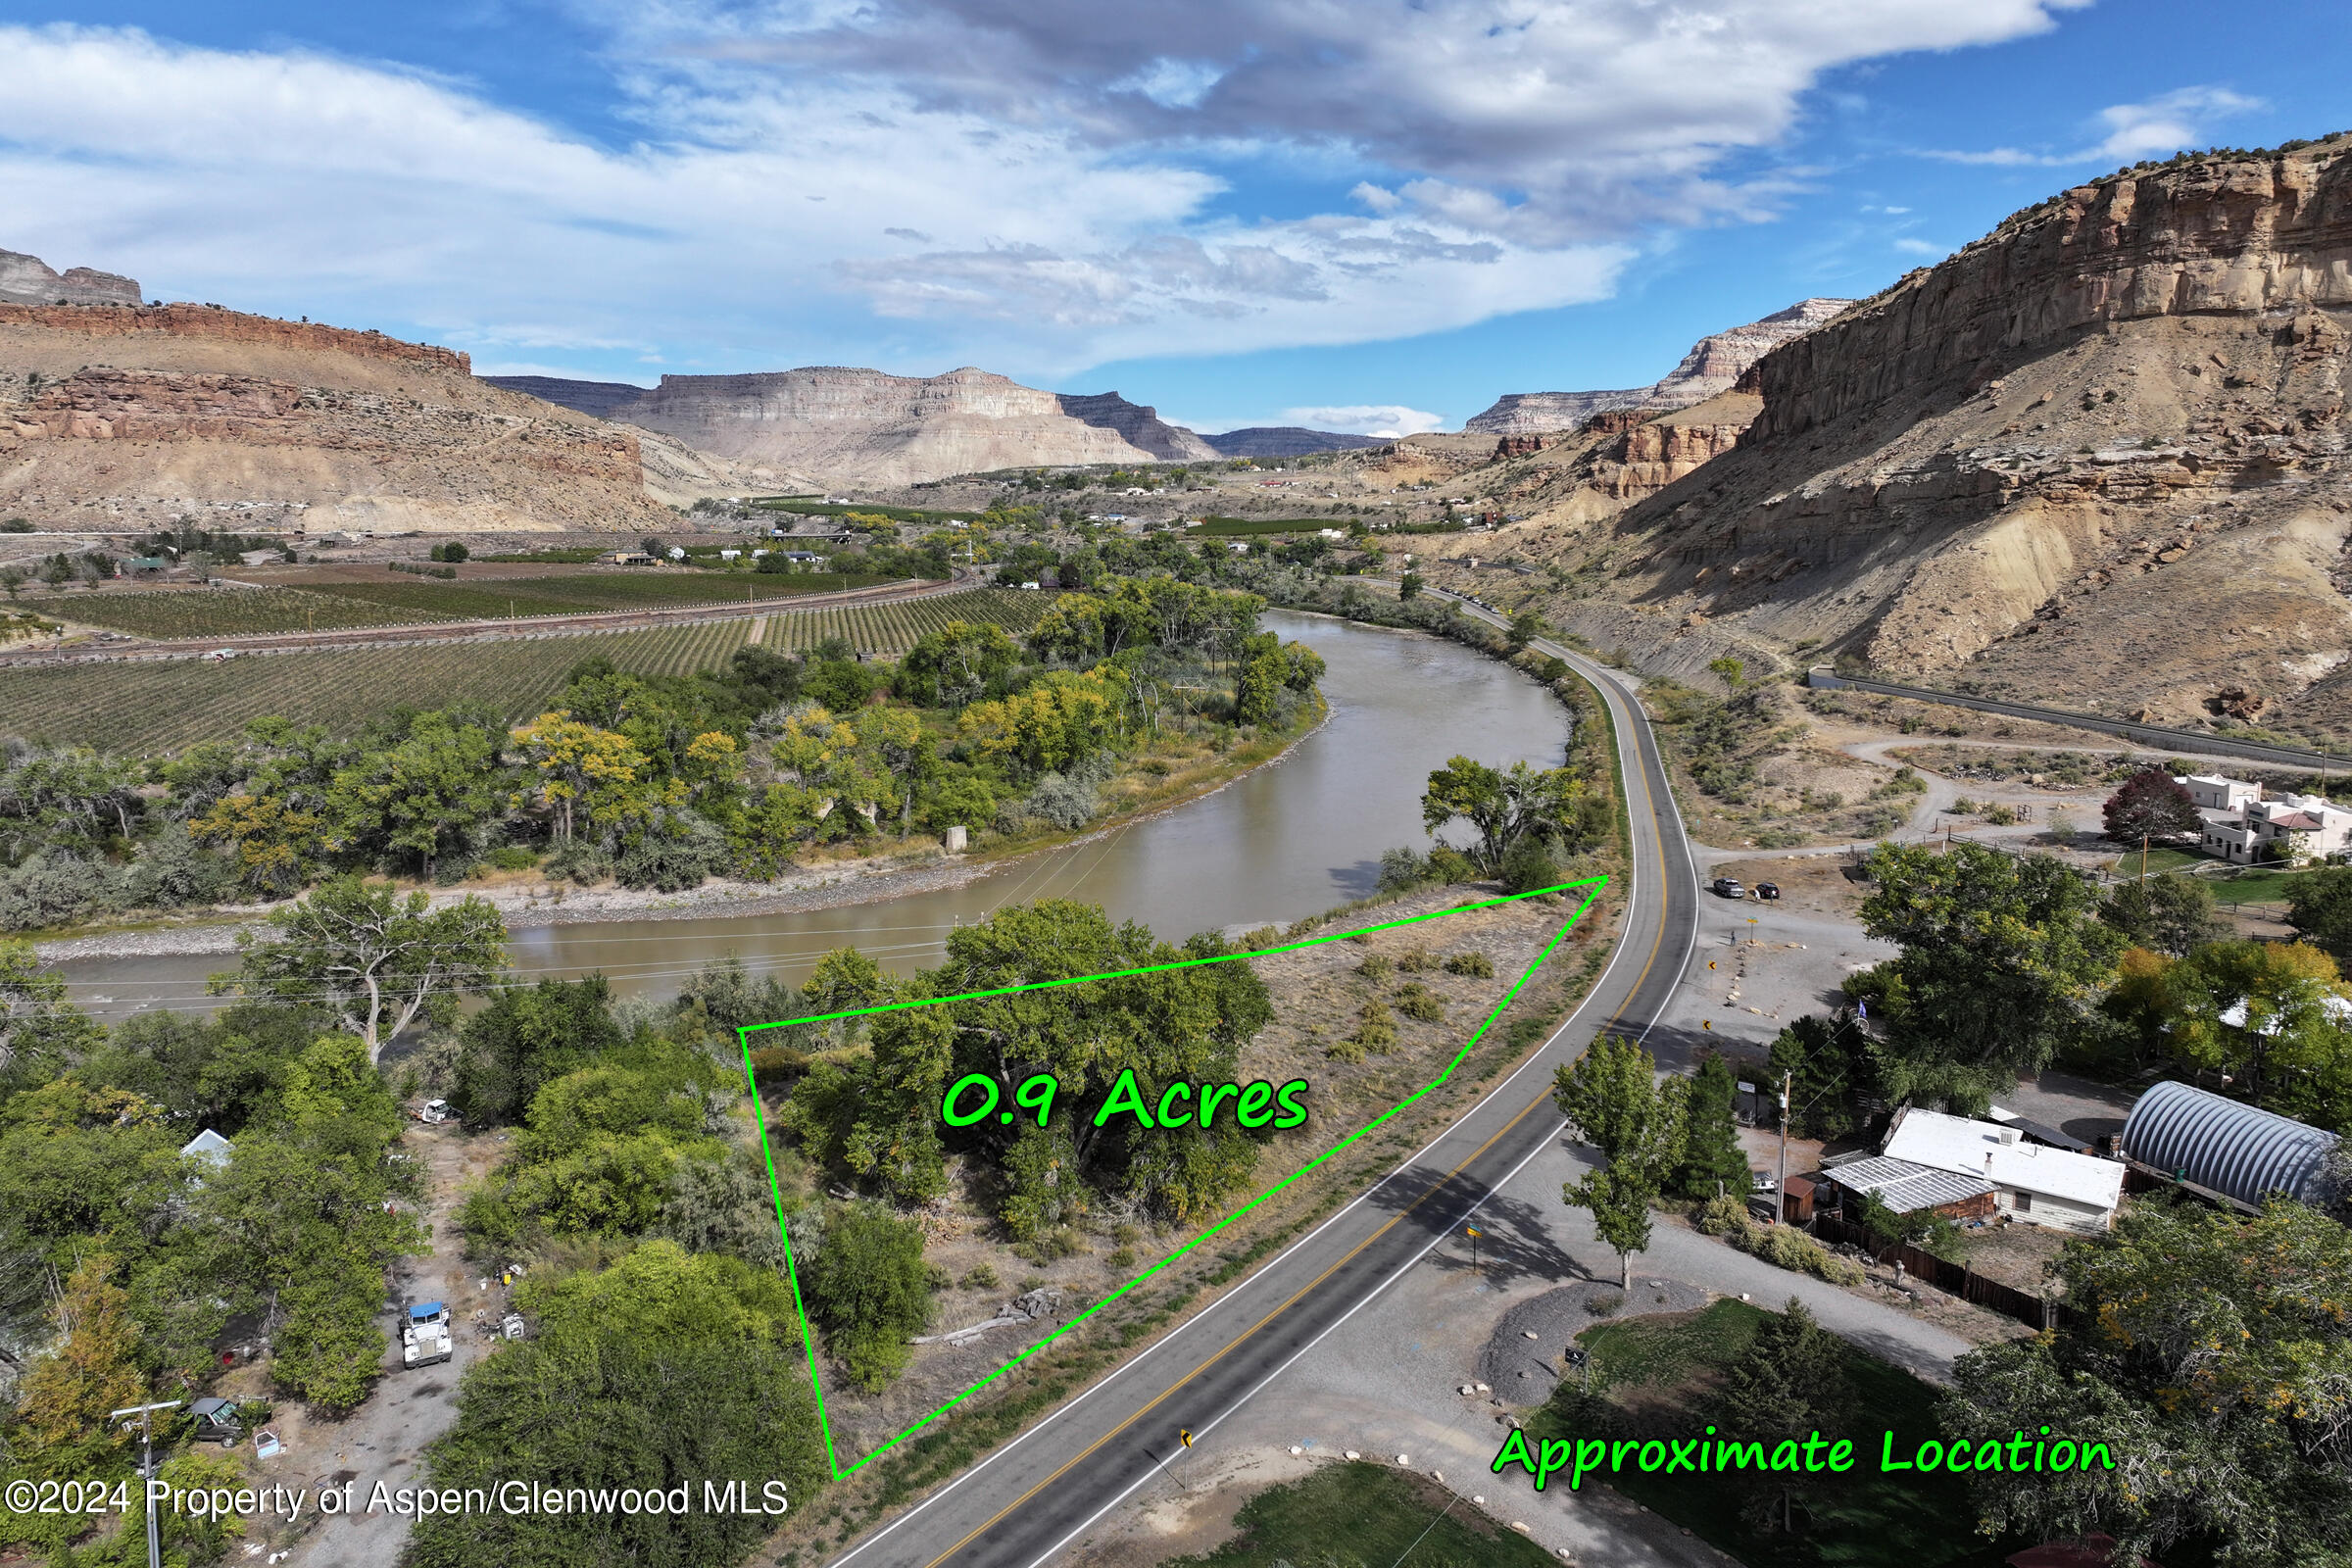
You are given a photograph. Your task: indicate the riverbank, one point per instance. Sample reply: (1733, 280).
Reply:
(526, 899)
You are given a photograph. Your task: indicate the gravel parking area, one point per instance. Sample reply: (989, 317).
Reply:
(1522, 1360)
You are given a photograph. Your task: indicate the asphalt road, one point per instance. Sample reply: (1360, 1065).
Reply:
(1030, 1499)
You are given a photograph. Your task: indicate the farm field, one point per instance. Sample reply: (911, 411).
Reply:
(577, 593)
(401, 601)
(220, 611)
(891, 628)
(164, 705)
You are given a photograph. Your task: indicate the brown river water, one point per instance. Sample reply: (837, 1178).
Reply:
(1290, 839)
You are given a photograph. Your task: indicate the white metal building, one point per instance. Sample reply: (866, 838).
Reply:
(2038, 1185)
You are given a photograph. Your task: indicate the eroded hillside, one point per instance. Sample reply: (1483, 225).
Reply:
(2094, 457)
(115, 415)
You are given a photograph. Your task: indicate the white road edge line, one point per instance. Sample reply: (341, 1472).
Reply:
(1631, 766)
(1369, 1297)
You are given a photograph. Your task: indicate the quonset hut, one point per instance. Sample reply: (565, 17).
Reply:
(2236, 1149)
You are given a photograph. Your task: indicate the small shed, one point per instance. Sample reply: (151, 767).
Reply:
(627, 558)
(145, 566)
(1906, 1188)
(2240, 1151)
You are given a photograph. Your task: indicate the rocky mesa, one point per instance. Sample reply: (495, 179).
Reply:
(1713, 367)
(118, 413)
(858, 426)
(2095, 458)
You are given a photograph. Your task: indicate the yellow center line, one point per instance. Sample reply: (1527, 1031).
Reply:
(1657, 944)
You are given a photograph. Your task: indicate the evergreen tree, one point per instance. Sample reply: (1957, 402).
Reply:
(1790, 1383)
(1712, 1159)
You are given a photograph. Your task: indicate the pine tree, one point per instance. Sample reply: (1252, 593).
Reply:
(1790, 1383)
(1711, 1151)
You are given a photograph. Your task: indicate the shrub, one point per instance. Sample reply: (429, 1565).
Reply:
(175, 872)
(1377, 1030)
(513, 857)
(980, 1277)
(1417, 1002)
(1717, 1215)
(871, 1291)
(1066, 802)
(672, 856)
(1476, 966)
(1347, 1050)
(1601, 1303)
(581, 861)
(1530, 865)
(1374, 968)
(1412, 961)
(1402, 869)
(54, 889)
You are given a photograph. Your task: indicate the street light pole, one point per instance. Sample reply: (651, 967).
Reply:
(146, 1415)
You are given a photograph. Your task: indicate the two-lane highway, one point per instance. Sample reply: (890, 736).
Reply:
(1025, 1503)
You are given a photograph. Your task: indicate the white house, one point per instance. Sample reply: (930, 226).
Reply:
(2291, 827)
(2038, 1185)
(2213, 792)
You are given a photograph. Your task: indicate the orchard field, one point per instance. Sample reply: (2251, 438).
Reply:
(400, 599)
(164, 705)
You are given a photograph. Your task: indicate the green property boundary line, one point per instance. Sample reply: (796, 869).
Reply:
(1592, 887)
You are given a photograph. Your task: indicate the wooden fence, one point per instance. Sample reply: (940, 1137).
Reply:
(1955, 1279)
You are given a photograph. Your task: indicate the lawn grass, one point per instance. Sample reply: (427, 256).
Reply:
(1369, 1513)
(1660, 1376)
(2159, 861)
(2264, 886)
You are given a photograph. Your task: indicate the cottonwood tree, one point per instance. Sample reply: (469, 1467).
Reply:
(2290, 1028)
(2208, 1352)
(376, 959)
(2003, 959)
(2168, 914)
(1612, 1099)
(1502, 806)
(1712, 1159)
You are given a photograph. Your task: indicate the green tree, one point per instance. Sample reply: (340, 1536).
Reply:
(525, 1038)
(2208, 1352)
(1502, 806)
(1612, 1099)
(1712, 1161)
(1409, 586)
(1731, 670)
(956, 666)
(2266, 1011)
(425, 795)
(40, 1030)
(870, 1292)
(2168, 914)
(1831, 1065)
(2003, 959)
(663, 1371)
(1791, 1382)
(379, 961)
(2319, 905)
(1526, 627)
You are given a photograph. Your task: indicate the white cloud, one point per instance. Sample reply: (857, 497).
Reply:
(1374, 418)
(1065, 169)
(1920, 247)
(2157, 128)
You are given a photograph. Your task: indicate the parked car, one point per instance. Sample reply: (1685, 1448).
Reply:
(1768, 890)
(433, 1112)
(216, 1421)
(1729, 888)
(1760, 1180)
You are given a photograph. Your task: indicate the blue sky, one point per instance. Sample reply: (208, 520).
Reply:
(1377, 215)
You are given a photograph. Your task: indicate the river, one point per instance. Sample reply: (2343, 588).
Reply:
(1288, 840)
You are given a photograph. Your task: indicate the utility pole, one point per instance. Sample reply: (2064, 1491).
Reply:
(146, 1415)
(2143, 857)
(1779, 1189)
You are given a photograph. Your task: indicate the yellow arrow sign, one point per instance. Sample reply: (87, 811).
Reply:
(1184, 1437)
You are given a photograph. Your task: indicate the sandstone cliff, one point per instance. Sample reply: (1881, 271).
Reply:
(27, 281)
(116, 416)
(857, 426)
(2095, 458)
(1713, 366)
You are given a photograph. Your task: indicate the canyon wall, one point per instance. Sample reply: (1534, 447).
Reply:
(1713, 367)
(29, 280)
(2095, 458)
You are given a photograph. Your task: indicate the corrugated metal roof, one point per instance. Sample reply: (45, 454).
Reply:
(1903, 1186)
(1962, 1144)
(2239, 1149)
